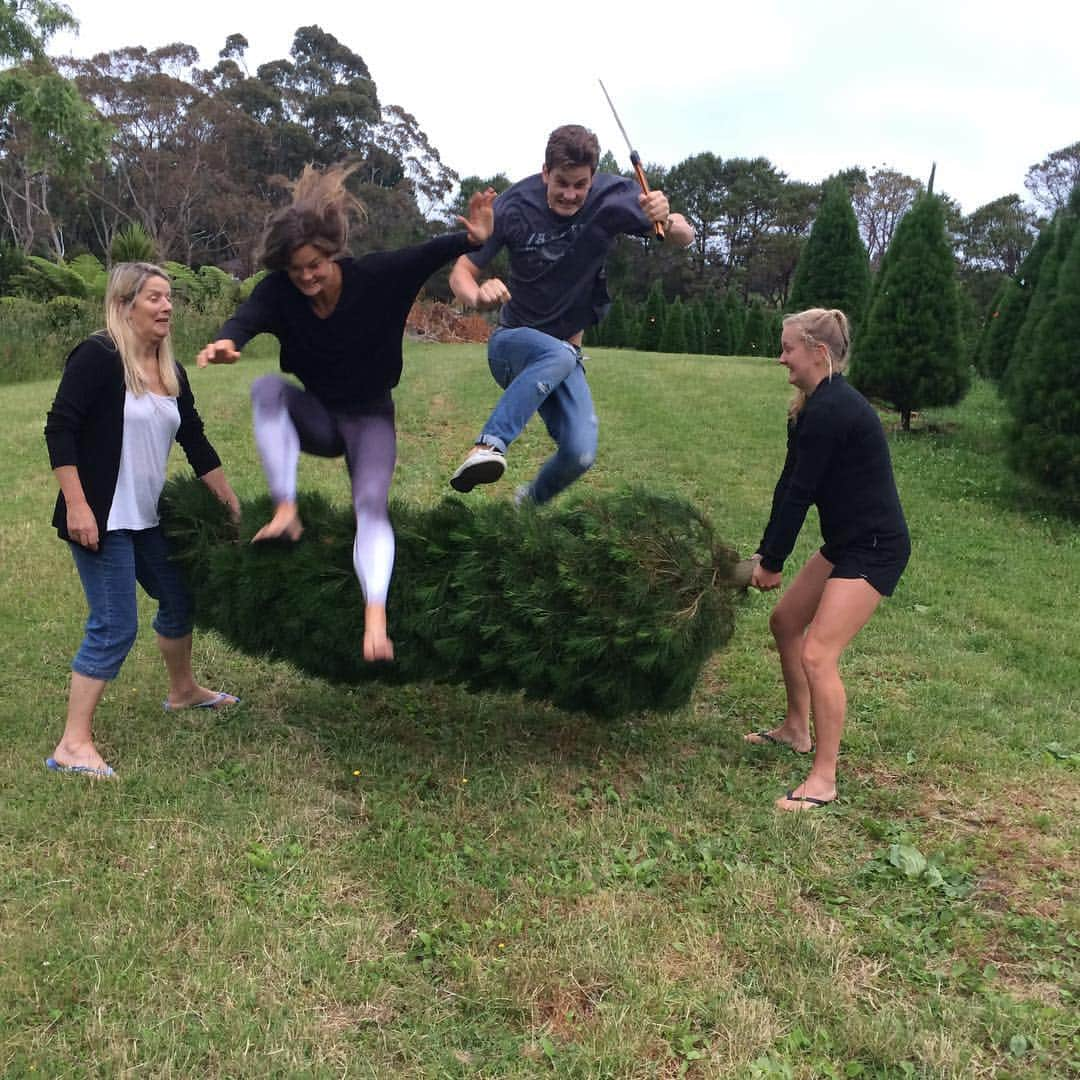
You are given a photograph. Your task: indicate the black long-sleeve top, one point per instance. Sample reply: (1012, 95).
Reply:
(353, 356)
(838, 460)
(85, 427)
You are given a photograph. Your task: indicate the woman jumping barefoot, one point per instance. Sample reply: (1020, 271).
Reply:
(339, 321)
(838, 460)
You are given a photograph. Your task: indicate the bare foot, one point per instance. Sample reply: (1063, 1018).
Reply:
(284, 525)
(811, 794)
(377, 646)
(799, 741)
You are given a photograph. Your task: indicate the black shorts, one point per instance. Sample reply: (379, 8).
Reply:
(880, 560)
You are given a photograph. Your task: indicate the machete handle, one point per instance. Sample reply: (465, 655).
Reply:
(639, 172)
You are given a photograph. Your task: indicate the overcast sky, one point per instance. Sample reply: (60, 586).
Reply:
(985, 89)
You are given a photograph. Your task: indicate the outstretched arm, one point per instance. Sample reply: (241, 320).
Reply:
(223, 351)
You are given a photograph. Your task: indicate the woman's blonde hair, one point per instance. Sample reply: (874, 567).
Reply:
(822, 326)
(320, 213)
(126, 281)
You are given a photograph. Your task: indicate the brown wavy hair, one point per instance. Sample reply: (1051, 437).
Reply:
(572, 145)
(321, 211)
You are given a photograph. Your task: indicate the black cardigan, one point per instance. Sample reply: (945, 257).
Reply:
(85, 427)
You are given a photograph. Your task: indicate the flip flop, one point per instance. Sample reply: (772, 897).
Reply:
(79, 770)
(815, 803)
(776, 742)
(216, 702)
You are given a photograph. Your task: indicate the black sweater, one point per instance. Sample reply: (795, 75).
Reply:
(838, 460)
(85, 427)
(353, 356)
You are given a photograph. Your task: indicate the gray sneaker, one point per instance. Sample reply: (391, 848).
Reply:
(523, 496)
(484, 465)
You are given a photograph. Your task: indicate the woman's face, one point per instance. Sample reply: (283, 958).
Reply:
(150, 315)
(806, 363)
(310, 270)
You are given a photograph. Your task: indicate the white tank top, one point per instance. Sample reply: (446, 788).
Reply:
(151, 422)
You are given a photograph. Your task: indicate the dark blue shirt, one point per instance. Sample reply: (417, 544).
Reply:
(557, 282)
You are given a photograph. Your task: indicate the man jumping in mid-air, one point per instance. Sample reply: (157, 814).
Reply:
(558, 226)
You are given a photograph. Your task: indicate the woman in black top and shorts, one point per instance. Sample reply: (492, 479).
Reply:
(837, 460)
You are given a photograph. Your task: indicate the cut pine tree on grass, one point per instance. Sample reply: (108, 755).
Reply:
(608, 606)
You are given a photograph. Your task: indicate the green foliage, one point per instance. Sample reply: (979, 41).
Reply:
(91, 270)
(1043, 398)
(833, 270)
(42, 279)
(132, 244)
(27, 25)
(610, 606)
(1062, 229)
(673, 338)
(909, 351)
(60, 134)
(35, 337)
(207, 290)
(695, 327)
(736, 313)
(754, 341)
(1009, 310)
(616, 330)
(652, 323)
(718, 340)
(12, 263)
(248, 284)
(69, 314)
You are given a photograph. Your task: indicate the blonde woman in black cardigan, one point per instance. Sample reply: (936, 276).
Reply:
(121, 402)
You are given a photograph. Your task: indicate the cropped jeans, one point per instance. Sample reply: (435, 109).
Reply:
(108, 578)
(540, 373)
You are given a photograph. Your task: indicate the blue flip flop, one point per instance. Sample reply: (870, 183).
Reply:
(79, 770)
(216, 702)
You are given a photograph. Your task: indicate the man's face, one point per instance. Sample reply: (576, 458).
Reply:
(567, 186)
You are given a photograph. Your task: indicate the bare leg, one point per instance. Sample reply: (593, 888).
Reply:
(788, 622)
(183, 689)
(76, 745)
(846, 606)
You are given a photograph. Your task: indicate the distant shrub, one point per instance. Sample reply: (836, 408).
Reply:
(132, 244)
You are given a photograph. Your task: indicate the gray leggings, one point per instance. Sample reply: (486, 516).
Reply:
(288, 420)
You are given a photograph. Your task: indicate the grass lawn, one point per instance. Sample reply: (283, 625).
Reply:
(420, 882)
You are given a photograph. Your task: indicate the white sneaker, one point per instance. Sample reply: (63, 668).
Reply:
(484, 465)
(523, 496)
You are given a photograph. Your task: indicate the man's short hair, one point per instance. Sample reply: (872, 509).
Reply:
(572, 145)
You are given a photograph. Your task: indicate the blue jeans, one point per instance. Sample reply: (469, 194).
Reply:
(108, 578)
(540, 373)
